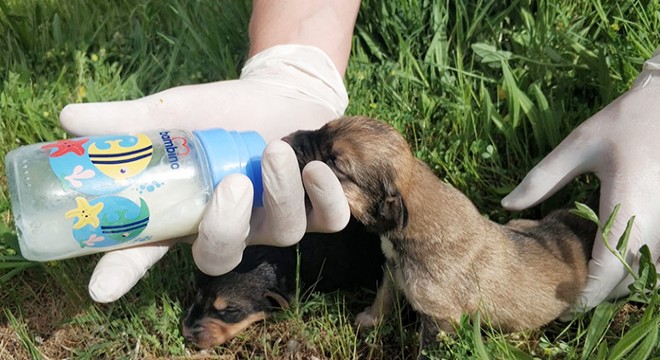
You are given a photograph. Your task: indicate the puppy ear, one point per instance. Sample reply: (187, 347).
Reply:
(277, 298)
(393, 209)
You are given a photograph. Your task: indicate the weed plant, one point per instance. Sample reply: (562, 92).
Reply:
(482, 89)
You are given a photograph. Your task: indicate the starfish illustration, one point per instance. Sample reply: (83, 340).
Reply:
(85, 213)
(67, 146)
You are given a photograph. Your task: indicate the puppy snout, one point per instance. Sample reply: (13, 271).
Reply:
(190, 333)
(300, 145)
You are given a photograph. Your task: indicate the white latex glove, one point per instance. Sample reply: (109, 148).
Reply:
(282, 89)
(621, 145)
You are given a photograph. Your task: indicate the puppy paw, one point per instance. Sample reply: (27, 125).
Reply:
(366, 319)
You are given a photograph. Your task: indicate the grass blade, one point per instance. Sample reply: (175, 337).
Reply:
(584, 211)
(647, 274)
(622, 244)
(479, 348)
(600, 322)
(646, 346)
(636, 334)
(602, 351)
(610, 221)
(21, 331)
(516, 354)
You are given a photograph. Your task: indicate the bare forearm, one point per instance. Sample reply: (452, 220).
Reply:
(325, 24)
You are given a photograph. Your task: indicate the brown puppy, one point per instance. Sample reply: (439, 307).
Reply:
(441, 252)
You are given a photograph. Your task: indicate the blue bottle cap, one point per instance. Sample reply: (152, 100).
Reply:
(233, 152)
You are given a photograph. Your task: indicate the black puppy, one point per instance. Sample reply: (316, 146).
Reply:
(265, 280)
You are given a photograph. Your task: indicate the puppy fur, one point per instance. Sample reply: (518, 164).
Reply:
(444, 256)
(265, 280)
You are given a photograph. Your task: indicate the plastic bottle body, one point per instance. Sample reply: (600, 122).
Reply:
(81, 196)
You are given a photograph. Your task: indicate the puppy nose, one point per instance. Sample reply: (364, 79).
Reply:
(191, 333)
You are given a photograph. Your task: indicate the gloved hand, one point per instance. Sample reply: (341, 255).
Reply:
(282, 89)
(621, 145)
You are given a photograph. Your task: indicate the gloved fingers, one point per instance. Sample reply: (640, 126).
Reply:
(573, 156)
(606, 271)
(184, 107)
(284, 221)
(225, 227)
(295, 86)
(605, 274)
(330, 211)
(108, 117)
(643, 233)
(226, 104)
(650, 74)
(118, 271)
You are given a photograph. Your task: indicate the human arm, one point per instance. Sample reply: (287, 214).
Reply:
(620, 144)
(293, 80)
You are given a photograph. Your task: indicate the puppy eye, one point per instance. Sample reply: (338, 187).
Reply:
(333, 165)
(336, 165)
(334, 162)
(230, 310)
(230, 315)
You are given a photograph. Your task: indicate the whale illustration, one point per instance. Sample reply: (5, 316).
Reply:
(124, 228)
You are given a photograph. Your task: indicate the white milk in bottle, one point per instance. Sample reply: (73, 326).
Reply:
(80, 196)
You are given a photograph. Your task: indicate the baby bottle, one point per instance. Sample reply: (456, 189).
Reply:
(91, 194)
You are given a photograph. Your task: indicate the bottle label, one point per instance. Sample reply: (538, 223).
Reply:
(98, 168)
(174, 147)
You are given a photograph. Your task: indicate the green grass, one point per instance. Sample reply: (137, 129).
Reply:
(481, 89)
